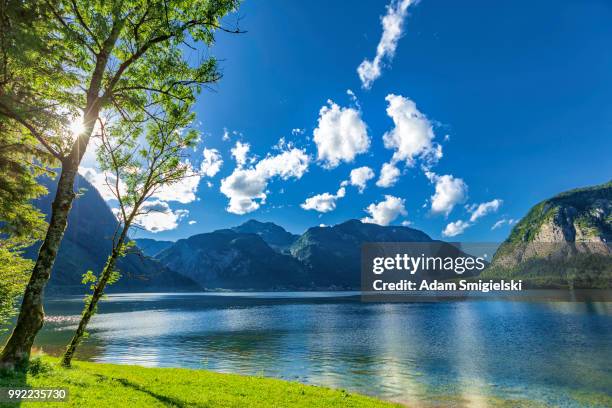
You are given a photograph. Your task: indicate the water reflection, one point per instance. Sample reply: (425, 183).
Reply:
(409, 352)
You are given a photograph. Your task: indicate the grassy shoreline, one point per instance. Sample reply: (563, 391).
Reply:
(103, 385)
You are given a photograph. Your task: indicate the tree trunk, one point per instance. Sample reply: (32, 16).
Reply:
(90, 308)
(16, 352)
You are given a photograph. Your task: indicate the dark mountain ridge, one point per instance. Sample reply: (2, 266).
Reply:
(274, 235)
(231, 260)
(87, 243)
(151, 247)
(332, 255)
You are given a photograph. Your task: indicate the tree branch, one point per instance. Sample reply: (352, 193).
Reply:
(82, 22)
(13, 115)
(59, 18)
(134, 57)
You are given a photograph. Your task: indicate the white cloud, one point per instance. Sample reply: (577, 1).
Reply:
(389, 174)
(212, 162)
(353, 98)
(183, 191)
(340, 135)
(392, 24)
(450, 191)
(485, 208)
(455, 228)
(323, 203)
(227, 135)
(240, 152)
(297, 131)
(478, 211)
(100, 181)
(412, 136)
(406, 223)
(385, 212)
(360, 176)
(158, 216)
(192, 222)
(326, 202)
(498, 224)
(246, 187)
(502, 222)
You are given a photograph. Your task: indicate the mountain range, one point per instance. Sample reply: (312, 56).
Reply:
(257, 255)
(264, 256)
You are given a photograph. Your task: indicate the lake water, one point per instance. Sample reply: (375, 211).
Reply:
(557, 353)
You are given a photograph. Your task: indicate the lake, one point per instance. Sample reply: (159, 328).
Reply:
(556, 352)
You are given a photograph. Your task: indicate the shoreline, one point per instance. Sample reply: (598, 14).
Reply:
(101, 384)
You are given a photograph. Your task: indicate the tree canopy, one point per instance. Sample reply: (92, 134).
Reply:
(76, 60)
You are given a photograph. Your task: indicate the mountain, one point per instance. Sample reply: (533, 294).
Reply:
(563, 241)
(275, 236)
(233, 260)
(247, 257)
(255, 255)
(151, 247)
(332, 254)
(88, 242)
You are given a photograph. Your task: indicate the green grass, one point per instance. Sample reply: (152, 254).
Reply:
(109, 385)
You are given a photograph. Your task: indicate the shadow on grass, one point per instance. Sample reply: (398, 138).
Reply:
(173, 402)
(12, 379)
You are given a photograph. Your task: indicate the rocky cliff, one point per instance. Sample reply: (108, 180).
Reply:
(562, 241)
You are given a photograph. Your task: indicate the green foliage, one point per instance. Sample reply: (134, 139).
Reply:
(21, 159)
(14, 274)
(137, 158)
(528, 227)
(140, 158)
(580, 271)
(21, 224)
(38, 366)
(114, 277)
(102, 385)
(89, 278)
(37, 88)
(68, 61)
(73, 59)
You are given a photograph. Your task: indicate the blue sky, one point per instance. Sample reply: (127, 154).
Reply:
(517, 94)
